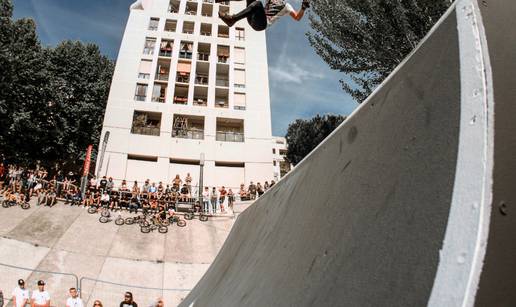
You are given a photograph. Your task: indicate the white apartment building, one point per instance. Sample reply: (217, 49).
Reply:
(279, 152)
(186, 85)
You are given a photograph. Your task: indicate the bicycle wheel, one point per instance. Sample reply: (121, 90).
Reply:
(25, 206)
(5, 204)
(92, 210)
(103, 219)
(181, 223)
(203, 218)
(165, 222)
(189, 216)
(144, 223)
(129, 221)
(119, 221)
(145, 229)
(162, 229)
(105, 213)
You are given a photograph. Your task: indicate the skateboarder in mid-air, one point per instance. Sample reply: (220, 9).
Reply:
(260, 17)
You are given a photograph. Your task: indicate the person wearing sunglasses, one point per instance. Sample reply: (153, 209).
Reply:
(128, 300)
(97, 303)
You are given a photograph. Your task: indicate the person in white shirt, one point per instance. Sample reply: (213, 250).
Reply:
(20, 294)
(261, 17)
(206, 200)
(40, 297)
(74, 300)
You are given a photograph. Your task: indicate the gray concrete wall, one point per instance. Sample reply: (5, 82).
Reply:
(400, 204)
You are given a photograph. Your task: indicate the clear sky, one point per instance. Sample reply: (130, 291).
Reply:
(301, 84)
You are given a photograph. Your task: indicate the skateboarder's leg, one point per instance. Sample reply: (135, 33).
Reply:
(254, 12)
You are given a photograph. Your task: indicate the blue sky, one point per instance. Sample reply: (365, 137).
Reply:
(301, 84)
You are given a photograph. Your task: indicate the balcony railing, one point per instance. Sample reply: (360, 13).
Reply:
(221, 103)
(154, 131)
(139, 98)
(193, 134)
(143, 76)
(223, 59)
(158, 99)
(185, 54)
(183, 78)
(165, 53)
(223, 136)
(202, 80)
(200, 101)
(222, 82)
(203, 56)
(180, 100)
(162, 77)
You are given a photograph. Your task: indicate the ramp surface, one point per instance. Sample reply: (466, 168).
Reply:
(395, 207)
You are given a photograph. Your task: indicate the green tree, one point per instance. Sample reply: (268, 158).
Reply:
(367, 39)
(304, 135)
(52, 100)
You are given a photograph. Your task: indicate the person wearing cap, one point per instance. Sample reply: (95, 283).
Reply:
(74, 300)
(40, 297)
(20, 294)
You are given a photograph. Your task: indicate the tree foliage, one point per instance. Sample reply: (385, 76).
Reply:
(304, 135)
(52, 100)
(367, 39)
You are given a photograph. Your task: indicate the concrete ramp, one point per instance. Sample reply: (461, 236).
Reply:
(399, 206)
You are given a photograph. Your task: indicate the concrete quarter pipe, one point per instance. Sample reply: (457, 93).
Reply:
(408, 202)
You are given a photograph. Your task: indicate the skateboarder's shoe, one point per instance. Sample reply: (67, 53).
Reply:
(306, 4)
(228, 19)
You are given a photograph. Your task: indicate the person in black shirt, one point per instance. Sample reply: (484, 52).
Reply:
(103, 183)
(128, 301)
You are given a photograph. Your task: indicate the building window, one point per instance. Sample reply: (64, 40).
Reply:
(230, 130)
(145, 69)
(223, 31)
(146, 123)
(240, 101)
(159, 92)
(141, 92)
(191, 8)
(163, 70)
(188, 127)
(207, 8)
(150, 43)
(239, 78)
(170, 25)
(274, 151)
(186, 50)
(153, 24)
(188, 27)
(223, 54)
(205, 29)
(274, 163)
(239, 55)
(173, 6)
(283, 152)
(240, 34)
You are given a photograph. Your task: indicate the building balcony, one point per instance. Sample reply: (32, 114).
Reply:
(223, 59)
(222, 82)
(152, 131)
(183, 78)
(139, 97)
(160, 99)
(227, 136)
(201, 80)
(192, 134)
(180, 100)
(203, 56)
(185, 55)
(165, 53)
(162, 77)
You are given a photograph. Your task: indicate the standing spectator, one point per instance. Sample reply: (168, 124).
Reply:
(110, 184)
(158, 303)
(128, 300)
(103, 183)
(206, 200)
(213, 199)
(74, 300)
(40, 297)
(136, 189)
(188, 181)
(20, 294)
(266, 185)
(222, 198)
(59, 182)
(176, 183)
(252, 191)
(243, 193)
(93, 184)
(259, 189)
(231, 199)
(97, 303)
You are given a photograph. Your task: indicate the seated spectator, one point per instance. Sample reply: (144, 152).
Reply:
(96, 199)
(74, 300)
(146, 187)
(97, 303)
(134, 204)
(114, 200)
(145, 206)
(128, 300)
(88, 199)
(123, 186)
(154, 205)
(42, 197)
(20, 296)
(135, 189)
(103, 183)
(266, 185)
(185, 193)
(153, 190)
(51, 198)
(124, 200)
(69, 196)
(104, 199)
(92, 185)
(272, 183)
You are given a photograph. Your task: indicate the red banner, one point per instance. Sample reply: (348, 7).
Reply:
(87, 162)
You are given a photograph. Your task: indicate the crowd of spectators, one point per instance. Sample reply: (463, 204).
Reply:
(21, 296)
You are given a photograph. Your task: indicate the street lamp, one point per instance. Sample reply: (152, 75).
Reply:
(201, 166)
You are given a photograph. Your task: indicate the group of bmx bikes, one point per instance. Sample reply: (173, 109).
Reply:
(147, 221)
